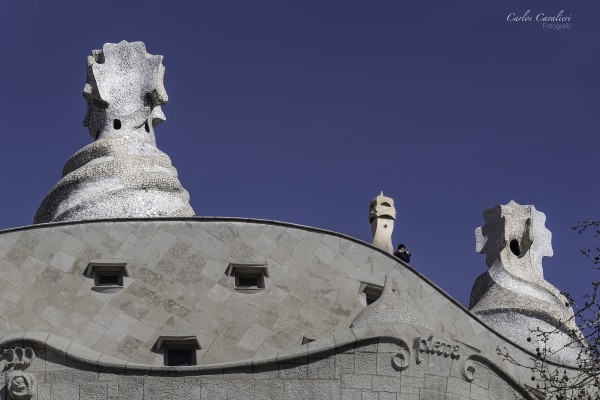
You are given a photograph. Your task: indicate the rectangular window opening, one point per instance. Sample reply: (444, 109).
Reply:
(178, 350)
(249, 281)
(371, 292)
(107, 275)
(371, 298)
(109, 279)
(248, 277)
(180, 357)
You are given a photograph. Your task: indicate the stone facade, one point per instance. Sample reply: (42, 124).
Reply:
(362, 365)
(122, 173)
(119, 304)
(91, 344)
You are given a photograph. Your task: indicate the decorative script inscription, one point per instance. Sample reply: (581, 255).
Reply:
(435, 347)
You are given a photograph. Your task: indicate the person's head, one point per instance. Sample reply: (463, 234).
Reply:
(401, 248)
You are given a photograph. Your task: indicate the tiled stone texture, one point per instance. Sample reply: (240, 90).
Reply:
(177, 283)
(122, 173)
(348, 372)
(512, 296)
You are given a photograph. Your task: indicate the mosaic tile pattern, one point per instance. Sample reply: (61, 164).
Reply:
(512, 296)
(122, 173)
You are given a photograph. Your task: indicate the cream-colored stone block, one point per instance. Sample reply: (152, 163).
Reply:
(92, 332)
(53, 315)
(63, 261)
(254, 337)
(218, 293)
(120, 326)
(142, 332)
(381, 217)
(12, 294)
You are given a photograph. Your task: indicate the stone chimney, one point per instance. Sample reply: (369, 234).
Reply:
(122, 174)
(513, 297)
(381, 217)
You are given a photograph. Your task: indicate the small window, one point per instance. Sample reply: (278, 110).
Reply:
(178, 350)
(177, 357)
(107, 274)
(371, 292)
(248, 276)
(371, 298)
(109, 279)
(249, 281)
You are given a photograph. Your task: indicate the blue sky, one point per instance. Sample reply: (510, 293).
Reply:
(303, 111)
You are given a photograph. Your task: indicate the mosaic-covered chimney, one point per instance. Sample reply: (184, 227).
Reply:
(381, 217)
(513, 297)
(122, 173)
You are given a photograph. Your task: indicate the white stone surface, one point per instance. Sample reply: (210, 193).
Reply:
(381, 217)
(122, 173)
(512, 296)
(391, 307)
(102, 345)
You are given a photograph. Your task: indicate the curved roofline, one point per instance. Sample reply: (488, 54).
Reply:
(299, 354)
(288, 225)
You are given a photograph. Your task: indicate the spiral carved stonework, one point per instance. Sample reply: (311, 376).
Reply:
(468, 369)
(401, 360)
(122, 174)
(19, 385)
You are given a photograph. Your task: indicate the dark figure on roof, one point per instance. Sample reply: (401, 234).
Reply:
(403, 253)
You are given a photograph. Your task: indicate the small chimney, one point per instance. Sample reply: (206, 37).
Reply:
(381, 217)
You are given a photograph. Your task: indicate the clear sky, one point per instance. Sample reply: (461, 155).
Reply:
(302, 111)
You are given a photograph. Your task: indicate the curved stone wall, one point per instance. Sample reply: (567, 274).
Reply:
(374, 363)
(178, 281)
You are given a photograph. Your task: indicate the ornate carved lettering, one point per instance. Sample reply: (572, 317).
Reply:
(401, 360)
(436, 347)
(468, 370)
